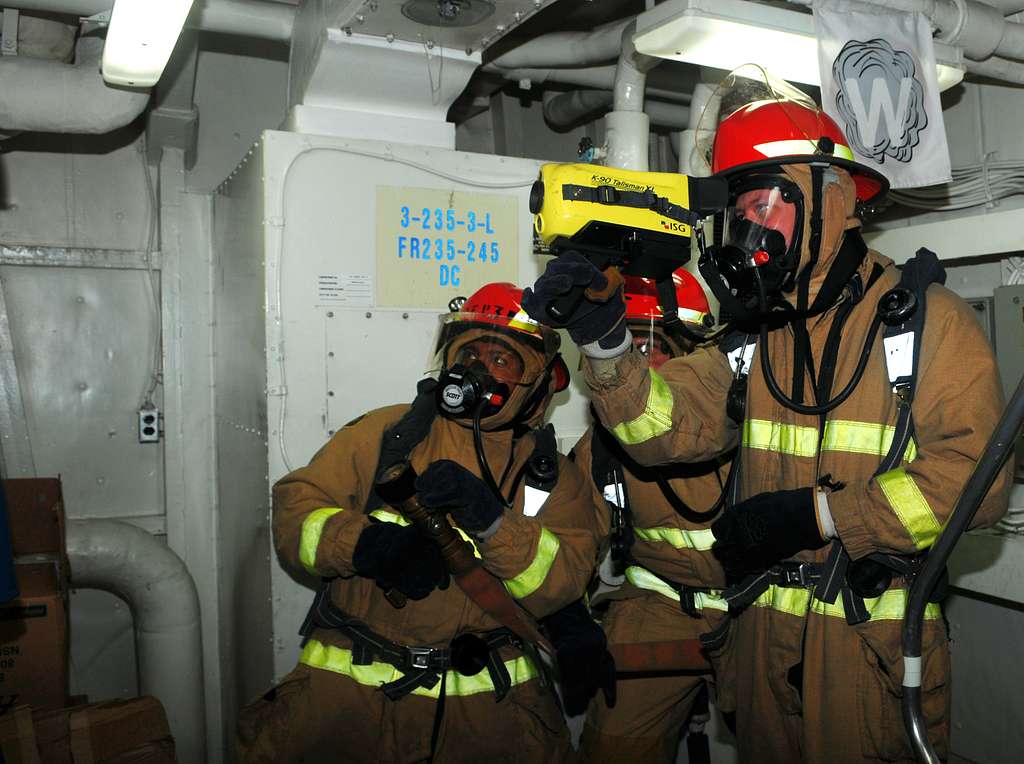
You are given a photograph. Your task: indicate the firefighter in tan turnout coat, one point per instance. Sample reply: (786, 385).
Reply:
(376, 683)
(844, 479)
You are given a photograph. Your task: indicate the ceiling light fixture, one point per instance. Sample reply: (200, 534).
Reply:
(725, 34)
(140, 38)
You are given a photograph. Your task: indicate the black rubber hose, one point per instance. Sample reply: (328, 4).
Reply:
(481, 457)
(992, 458)
(769, 375)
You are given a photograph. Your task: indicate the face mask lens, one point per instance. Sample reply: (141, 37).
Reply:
(493, 356)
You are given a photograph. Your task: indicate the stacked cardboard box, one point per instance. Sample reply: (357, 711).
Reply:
(34, 627)
(116, 732)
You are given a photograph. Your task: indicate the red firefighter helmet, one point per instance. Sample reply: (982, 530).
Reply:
(772, 132)
(643, 304)
(496, 309)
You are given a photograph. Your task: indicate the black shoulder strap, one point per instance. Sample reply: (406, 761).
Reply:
(920, 272)
(404, 435)
(902, 355)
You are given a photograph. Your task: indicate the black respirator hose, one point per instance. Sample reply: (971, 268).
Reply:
(992, 459)
(769, 376)
(481, 457)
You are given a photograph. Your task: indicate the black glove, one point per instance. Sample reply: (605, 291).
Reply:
(591, 322)
(400, 557)
(584, 663)
(451, 487)
(765, 529)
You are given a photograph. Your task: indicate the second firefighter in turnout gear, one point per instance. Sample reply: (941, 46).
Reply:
(847, 467)
(656, 520)
(444, 677)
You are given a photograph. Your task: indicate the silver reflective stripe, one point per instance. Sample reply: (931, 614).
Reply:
(644, 579)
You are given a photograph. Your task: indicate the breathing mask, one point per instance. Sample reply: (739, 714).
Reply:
(762, 230)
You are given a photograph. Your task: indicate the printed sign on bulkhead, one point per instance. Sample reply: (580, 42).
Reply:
(878, 82)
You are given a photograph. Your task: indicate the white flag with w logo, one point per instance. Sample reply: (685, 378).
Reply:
(878, 83)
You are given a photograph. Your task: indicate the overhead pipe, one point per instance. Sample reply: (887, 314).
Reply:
(128, 562)
(568, 49)
(597, 77)
(266, 20)
(564, 110)
(978, 28)
(38, 95)
(998, 68)
(627, 126)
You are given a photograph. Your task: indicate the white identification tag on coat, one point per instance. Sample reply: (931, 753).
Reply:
(743, 354)
(534, 500)
(613, 494)
(899, 355)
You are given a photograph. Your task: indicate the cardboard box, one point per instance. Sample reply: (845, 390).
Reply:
(18, 737)
(34, 627)
(120, 731)
(35, 512)
(34, 641)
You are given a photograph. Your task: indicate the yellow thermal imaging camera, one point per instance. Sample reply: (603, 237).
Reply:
(638, 221)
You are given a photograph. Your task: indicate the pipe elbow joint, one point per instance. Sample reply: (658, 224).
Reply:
(979, 29)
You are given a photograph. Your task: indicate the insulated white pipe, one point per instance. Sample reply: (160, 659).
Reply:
(570, 49)
(998, 69)
(267, 20)
(631, 73)
(51, 97)
(563, 110)
(627, 126)
(127, 561)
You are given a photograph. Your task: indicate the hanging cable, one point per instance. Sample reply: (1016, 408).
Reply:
(769, 376)
(156, 370)
(481, 457)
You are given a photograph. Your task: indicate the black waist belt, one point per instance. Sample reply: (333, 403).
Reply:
(420, 666)
(830, 580)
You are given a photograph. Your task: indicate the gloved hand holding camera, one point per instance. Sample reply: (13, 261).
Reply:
(597, 324)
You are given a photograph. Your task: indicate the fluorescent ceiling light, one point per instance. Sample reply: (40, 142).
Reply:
(725, 34)
(140, 38)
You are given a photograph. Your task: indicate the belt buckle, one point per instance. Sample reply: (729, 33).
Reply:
(798, 575)
(419, 657)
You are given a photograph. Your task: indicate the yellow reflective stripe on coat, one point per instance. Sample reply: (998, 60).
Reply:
(701, 540)
(890, 606)
(841, 435)
(862, 438)
(386, 516)
(644, 579)
(527, 582)
(309, 540)
(339, 660)
(910, 506)
(656, 419)
(792, 439)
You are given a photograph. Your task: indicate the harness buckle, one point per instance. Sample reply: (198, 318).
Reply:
(606, 195)
(419, 657)
(902, 391)
(801, 574)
